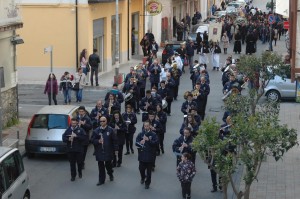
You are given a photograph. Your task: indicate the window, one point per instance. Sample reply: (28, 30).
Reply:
(3, 186)
(11, 169)
(50, 121)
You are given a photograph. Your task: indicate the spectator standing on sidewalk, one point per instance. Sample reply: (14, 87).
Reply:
(225, 41)
(51, 88)
(80, 78)
(84, 62)
(190, 51)
(94, 61)
(65, 87)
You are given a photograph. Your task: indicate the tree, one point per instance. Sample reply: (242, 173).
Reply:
(255, 131)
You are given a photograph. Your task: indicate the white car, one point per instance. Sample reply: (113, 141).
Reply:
(14, 181)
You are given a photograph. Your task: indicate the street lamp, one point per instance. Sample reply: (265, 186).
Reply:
(271, 26)
(117, 56)
(49, 49)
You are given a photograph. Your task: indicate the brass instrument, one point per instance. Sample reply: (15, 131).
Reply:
(174, 71)
(195, 93)
(71, 138)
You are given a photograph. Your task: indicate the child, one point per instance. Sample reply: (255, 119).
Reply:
(186, 172)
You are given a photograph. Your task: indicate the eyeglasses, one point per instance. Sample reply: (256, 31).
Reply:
(102, 121)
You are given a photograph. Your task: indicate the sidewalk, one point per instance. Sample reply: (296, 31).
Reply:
(281, 180)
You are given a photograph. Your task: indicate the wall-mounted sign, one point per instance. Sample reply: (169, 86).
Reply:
(154, 7)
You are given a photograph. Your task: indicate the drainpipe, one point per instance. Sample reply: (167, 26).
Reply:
(76, 33)
(129, 35)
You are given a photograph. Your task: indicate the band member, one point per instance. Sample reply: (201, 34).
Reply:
(130, 120)
(128, 75)
(120, 128)
(155, 71)
(116, 92)
(190, 122)
(164, 92)
(155, 95)
(162, 118)
(188, 104)
(147, 104)
(170, 85)
(228, 86)
(143, 74)
(155, 127)
(197, 117)
(106, 145)
(74, 136)
(183, 144)
(97, 112)
(195, 73)
(85, 123)
(185, 172)
(175, 74)
(146, 141)
(204, 90)
(112, 105)
(132, 89)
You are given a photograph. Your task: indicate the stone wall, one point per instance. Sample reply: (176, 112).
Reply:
(10, 106)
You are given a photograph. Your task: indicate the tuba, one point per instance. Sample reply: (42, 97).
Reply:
(195, 93)
(174, 71)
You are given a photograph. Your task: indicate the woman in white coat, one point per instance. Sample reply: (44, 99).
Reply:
(215, 50)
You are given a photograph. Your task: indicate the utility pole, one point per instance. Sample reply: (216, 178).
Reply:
(117, 55)
(271, 26)
(50, 50)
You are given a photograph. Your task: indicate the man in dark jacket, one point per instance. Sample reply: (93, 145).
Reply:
(190, 52)
(188, 104)
(98, 112)
(94, 61)
(74, 136)
(147, 104)
(84, 122)
(155, 71)
(183, 144)
(106, 145)
(170, 85)
(146, 142)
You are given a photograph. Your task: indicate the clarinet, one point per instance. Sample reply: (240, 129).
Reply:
(102, 144)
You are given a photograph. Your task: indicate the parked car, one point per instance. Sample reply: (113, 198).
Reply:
(169, 50)
(236, 4)
(280, 88)
(220, 13)
(14, 181)
(202, 28)
(44, 133)
(232, 10)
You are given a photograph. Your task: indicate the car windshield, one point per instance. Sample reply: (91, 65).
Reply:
(50, 121)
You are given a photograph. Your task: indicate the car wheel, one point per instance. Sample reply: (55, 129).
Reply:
(273, 96)
(29, 155)
(26, 196)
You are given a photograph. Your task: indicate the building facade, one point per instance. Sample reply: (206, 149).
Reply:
(10, 21)
(70, 27)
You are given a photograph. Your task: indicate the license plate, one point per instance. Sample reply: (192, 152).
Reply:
(47, 149)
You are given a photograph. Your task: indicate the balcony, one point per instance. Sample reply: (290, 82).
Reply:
(101, 1)
(10, 17)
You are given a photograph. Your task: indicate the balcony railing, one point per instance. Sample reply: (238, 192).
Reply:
(9, 12)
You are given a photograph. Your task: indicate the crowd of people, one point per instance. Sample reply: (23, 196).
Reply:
(111, 129)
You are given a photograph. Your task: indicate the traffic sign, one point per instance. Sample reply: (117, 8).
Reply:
(271, 19)
(286, 25)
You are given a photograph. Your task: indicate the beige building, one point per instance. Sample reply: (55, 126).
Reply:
(70, 27)
(10, 21)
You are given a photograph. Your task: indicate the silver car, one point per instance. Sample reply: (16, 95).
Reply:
(280, 88)
(44, 133)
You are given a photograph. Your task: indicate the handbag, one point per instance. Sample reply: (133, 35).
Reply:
(88, 67)
(185, 63)
(75, 86)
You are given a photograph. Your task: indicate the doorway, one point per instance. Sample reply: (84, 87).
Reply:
(98, 41)
(135, 24)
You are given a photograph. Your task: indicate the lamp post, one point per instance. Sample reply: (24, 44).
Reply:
(49, 49)
(271, 27)
(117, 56)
